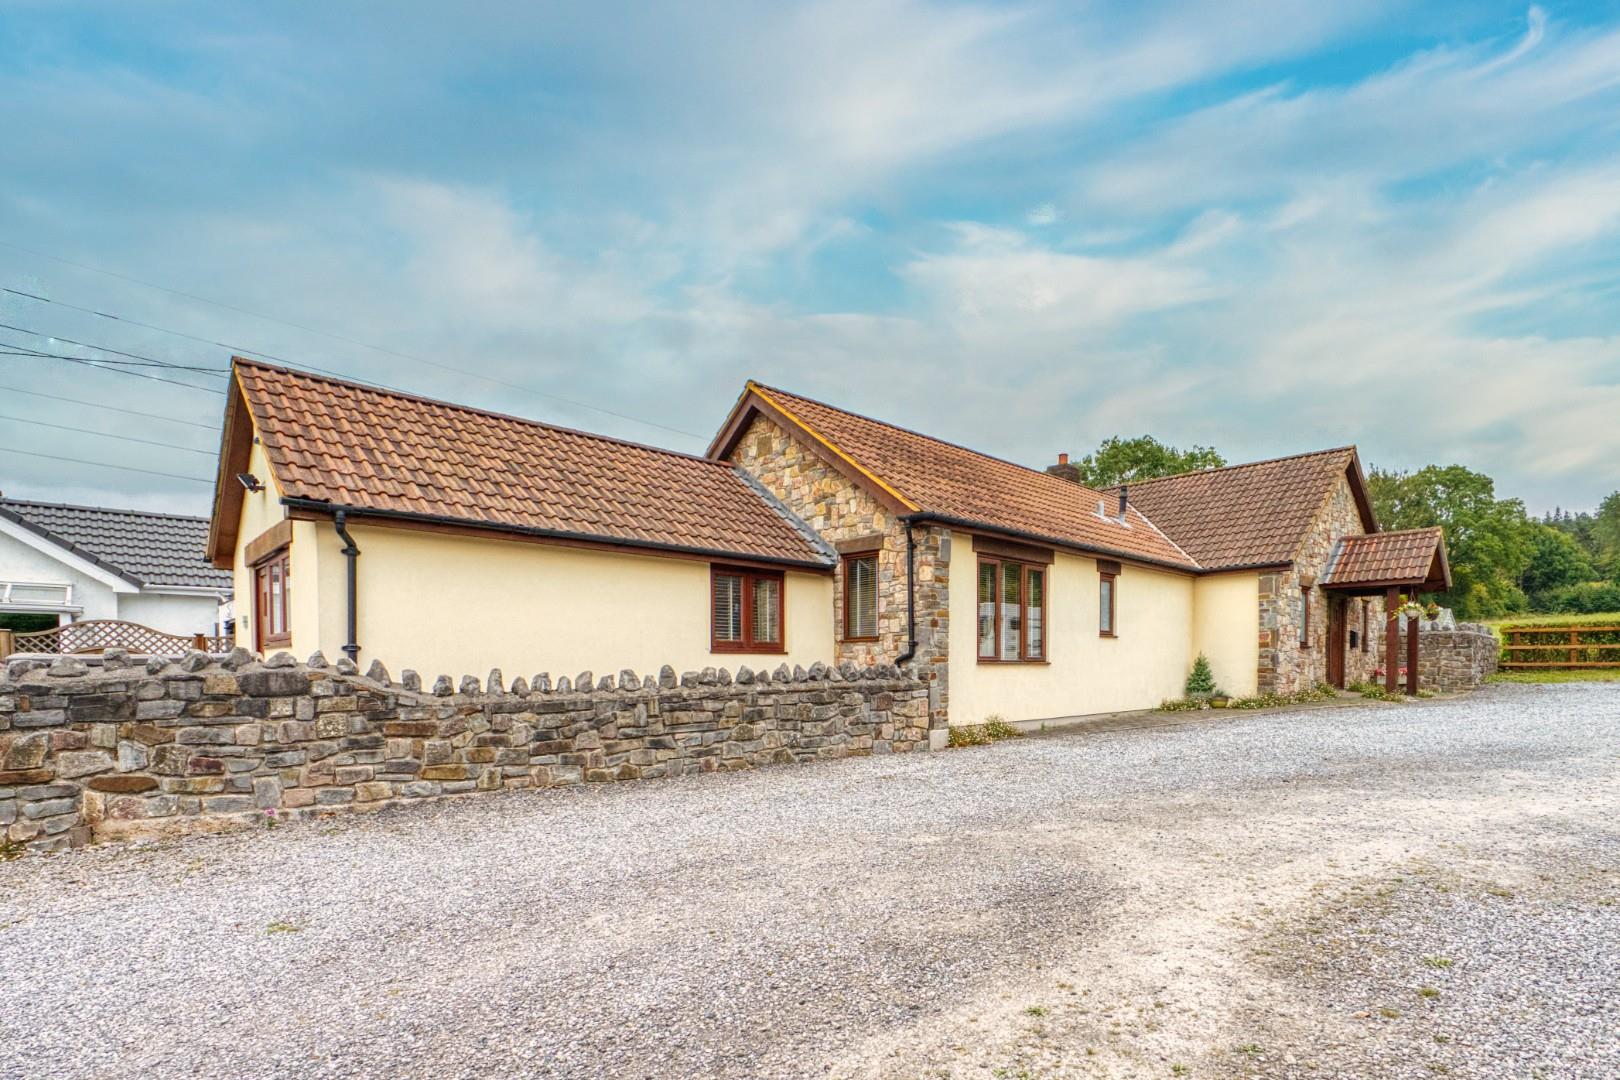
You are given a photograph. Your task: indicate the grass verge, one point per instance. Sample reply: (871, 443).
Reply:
(1554, 675)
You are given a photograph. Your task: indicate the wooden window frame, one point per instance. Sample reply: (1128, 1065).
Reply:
(1025, 569)
(1112, 580)
(261, 597)
(1366, 606)
(748, 644)
(877, 597)
(1304, 616)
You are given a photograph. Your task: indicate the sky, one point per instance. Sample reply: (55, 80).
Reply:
(1266, 227)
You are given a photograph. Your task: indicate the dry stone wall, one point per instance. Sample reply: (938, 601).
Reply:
(1451, 660)
(113, 748)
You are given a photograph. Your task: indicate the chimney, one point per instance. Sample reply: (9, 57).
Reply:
(1124, 503)
(1063, 470)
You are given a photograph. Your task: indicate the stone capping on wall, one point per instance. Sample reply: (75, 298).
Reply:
(109, 747)
(1450, 660)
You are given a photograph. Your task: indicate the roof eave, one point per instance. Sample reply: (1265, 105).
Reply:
(235, 451)
(101, 566)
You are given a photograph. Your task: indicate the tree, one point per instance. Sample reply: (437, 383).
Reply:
(1490, 541)
(1120, 461)
(1558, 560)
(1606, 535)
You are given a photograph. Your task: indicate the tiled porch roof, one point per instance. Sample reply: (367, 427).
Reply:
(1410, 557)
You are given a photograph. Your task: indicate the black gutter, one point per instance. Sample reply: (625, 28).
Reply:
(911, 594)
(351, 552)
(322, 507)
(1071, 545)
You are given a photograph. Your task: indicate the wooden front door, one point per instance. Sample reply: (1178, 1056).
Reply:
(1336, 641)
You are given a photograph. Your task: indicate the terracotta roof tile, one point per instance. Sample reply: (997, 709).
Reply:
(1242, 515)
(369, 448)
(1380, 558)
(953, 481)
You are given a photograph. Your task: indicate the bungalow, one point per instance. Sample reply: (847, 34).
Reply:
(62, 564)
(449, 539)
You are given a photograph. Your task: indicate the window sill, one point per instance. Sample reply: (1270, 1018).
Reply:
(1108, 635)
(857, 640)
(991, 661)
(748, 650)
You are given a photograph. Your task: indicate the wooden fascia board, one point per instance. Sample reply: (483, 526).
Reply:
(736, 423)
(1443, 561)
(1358, 489)
(235, 451)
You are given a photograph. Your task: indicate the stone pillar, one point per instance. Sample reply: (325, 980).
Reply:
(1392, 638)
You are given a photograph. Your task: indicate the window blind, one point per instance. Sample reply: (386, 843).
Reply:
(1036, 608)
(1011, 610)
(767, 611)
(728, 607)
(860, 596)
(987, 610)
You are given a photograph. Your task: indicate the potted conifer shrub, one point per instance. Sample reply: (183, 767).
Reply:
(1201, 682)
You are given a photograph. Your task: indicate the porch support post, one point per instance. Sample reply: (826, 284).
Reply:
(1392, 638)
(1412, 656)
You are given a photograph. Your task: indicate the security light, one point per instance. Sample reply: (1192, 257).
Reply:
(249, 481)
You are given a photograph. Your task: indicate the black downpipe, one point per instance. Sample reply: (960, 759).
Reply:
(911, 595)
(350, 553)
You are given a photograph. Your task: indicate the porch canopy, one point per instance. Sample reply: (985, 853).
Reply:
(1411, 561)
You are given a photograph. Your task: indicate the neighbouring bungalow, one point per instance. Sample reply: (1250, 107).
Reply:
(63, 565)
(362, 521)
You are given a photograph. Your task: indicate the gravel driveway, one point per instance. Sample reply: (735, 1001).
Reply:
(1383, 890)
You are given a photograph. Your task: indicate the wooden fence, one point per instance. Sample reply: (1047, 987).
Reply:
(99, 635)
(1525, 647)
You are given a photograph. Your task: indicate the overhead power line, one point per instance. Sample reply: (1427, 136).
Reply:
(146, 361)
(105, 435)
(345, 340)
(102, 465)
(243, 349)
(99, 405)
(11, 349)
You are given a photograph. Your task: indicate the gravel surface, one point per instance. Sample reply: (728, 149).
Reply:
(1243, 896)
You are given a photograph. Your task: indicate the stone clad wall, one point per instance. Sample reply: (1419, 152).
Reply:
(1451, 660)
(112, 749)
(1285, 665)
(841, 511)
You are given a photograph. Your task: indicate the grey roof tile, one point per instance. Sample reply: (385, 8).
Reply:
(144, 548)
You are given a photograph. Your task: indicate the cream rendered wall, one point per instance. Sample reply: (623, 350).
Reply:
(455, 605)
(261, 510)
(1145, 664)
(1226, 629)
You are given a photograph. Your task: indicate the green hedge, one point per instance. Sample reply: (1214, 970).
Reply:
(1600, 646)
